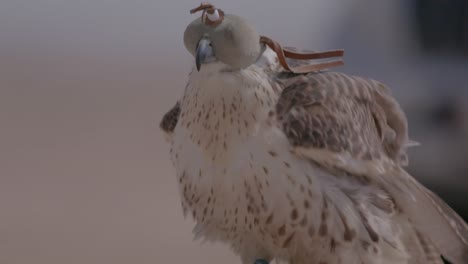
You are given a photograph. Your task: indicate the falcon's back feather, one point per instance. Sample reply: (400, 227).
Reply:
(354, 124)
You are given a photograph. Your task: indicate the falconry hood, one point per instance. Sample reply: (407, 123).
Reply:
(232, 40)
(227, 38)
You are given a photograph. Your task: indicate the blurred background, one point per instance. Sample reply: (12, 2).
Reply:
(85, 175)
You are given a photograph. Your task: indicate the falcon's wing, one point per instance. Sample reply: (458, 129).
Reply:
(343, 119)
(169, 120)
(354, 124)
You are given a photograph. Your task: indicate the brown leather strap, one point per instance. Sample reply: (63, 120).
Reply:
(202, 6)
(284, 53)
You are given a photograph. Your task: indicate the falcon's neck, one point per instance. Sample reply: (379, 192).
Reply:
(221, 107)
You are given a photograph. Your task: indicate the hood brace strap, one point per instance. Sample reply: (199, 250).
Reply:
(284, 53)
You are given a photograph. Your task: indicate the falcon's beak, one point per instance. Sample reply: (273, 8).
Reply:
(204, 51)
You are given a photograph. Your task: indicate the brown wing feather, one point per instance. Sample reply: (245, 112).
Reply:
(169, 120)
(330, 113)
(343, 114)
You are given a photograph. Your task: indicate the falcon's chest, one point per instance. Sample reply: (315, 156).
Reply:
(224, 131)
(220, 110)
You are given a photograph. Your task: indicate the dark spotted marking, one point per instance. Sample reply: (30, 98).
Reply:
(323, 229)
(365, 245)
(269, 219)
(254, 117)
(349, 233)
(372, 234)
(294, 214)
(374, 248)
(290, 179)
(309, 179)
(282, 230)
(288, 240)
(333, 245)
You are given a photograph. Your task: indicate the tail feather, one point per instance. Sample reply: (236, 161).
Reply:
(431, 217)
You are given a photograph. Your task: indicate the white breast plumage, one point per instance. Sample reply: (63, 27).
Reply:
(232, 163)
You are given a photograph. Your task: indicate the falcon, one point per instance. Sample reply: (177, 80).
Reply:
(284, 160)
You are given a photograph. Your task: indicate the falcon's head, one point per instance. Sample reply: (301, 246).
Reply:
(226, 39)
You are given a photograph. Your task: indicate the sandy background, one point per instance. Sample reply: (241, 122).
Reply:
(84, 170)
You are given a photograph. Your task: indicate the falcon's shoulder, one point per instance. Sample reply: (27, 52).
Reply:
(355, 125)
(344, 120)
